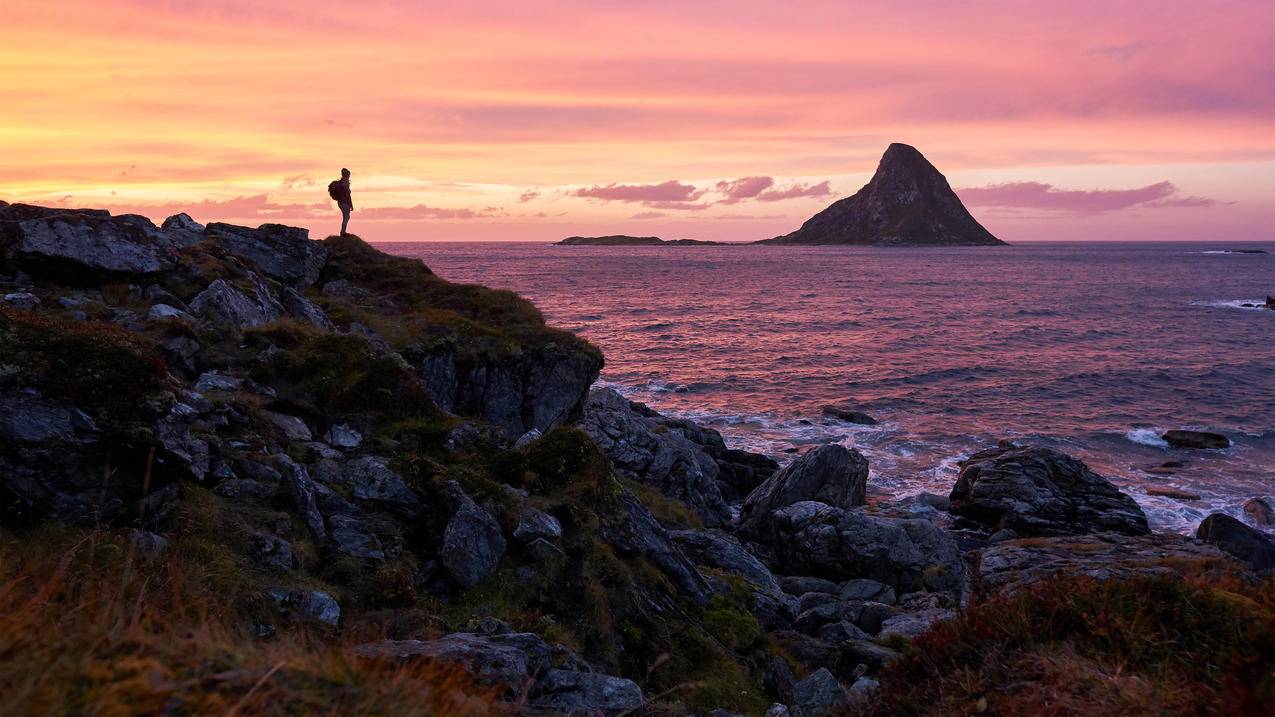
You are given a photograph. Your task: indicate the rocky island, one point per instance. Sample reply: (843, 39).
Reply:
(907, 202)
(244, 471)
(624, 240)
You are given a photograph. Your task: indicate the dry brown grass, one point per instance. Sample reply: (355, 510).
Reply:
(89, 627)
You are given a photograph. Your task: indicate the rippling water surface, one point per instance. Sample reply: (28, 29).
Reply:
(1093, 349)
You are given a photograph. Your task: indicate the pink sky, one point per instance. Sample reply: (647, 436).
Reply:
(736, 121)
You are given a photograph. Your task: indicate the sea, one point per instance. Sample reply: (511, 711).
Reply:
(1094, 349)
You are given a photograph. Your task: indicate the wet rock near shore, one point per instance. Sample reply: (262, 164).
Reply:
(1039, 491)
(1179, 438)
(829, 474)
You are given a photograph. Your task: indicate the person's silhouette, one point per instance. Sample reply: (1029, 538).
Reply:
(343, 199)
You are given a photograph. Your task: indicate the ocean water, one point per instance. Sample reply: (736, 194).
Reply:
(1094, 349)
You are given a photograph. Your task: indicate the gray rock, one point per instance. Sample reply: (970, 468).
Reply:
(829, 474)
(802, 584)
(341, 435)
(351, 536)
(224, 304)
(244, 489)
(293, 428)
(302, 493)
(86, 247)
(923, 499)
(1039, 491)
(341, 287)
(1010, 567)
(841, 631)
(297, 306)
(722, 550)
(527, 438)
(911, 625)
(23, 300)
(864, 686)
(1234, 538)
(571, 692)
(908, 555)
(1195, 439)
(212, 381)
(635, 532)
(174, 434)
(182, 231)
(777, 710)
(370, 478)
(536, 524)
(544, 551)
(310, 605)
(509, 660)
(283, 253)
(160, 312)
(30, 418)
(643, 448)
(147, 543)
(817, 695)
(863, 589)
(806, 601)
(849, 415)
(472, 543)
(272, 551)
(1258, 511)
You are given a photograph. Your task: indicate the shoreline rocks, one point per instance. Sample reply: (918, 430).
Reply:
(1181, 438)
(830, 474)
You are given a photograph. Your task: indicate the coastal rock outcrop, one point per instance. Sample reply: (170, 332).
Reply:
(907, 202)
(282, 253)
(1039, 491)
(85, 247)
(1253, 547)
(829, 474)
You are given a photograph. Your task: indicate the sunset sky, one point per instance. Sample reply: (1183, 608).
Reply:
(714, 120)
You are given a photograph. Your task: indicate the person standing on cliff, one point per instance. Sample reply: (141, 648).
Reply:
(340, 191)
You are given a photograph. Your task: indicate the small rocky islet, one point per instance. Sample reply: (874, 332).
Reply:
(345, 456)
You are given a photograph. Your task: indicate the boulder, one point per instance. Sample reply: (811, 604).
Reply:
(309, 605)
(282, 253)
(292, 427)
(497, 660)
(817, 695)
(24, 300)
(911, 625)
(571, 692)
(643, 449)
(1234, 538)
(222, 303)
(302, 493)
(272, 551)
(723, 551)
(472, 542)
(85, 248)
(340, 435)
(351, 536)
(371, 479)
(536, 524)
(1009, 567)
(839, 544)
(182, 231)
(864, 589)
(1258, 511)
(1039, 491)
(829, 474)
(1195, 439)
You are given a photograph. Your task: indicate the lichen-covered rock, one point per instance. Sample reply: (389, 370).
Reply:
(223, 303)
(180, 230)
(1039, 491)
(838, 544)
(817, 695)
(829, 474)
(85, 248)
(283, 253)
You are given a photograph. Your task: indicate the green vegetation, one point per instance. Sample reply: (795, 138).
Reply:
(1152, 645)
(103, 369)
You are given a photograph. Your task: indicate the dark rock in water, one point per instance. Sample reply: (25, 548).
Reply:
(84, 248)
(1039, 491)
(571, 692)
(624, 240)
(1270, 302)
(1234, 538)
(1173, 493)
(283, 253)
(830, 474)
(1195, 439)
(818, 695)
(908, 202)
(849, 415)
(816, 539)
(1012, 566)
(643, 448)
(1259, 512)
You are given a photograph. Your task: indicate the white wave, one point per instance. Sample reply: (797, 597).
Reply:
(1147, 437)
(1253, 304)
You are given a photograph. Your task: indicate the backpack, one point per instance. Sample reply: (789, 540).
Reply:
(334, 190)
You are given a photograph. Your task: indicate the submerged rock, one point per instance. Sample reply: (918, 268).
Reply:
(849, 415)
(829, 474)
(1039, 491)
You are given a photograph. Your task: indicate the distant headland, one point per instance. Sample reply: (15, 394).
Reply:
(907, 203)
